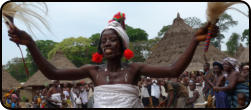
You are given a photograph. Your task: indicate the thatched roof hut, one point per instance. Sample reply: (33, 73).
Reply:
(240, 49)
(174, 43)
(244, 55)
(59, 61)
(8, 82)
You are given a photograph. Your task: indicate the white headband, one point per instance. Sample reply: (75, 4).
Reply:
(122, 33)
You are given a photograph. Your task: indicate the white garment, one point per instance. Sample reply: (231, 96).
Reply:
(201, 98)
(155, 90)
(144, 92)
(84, 97)
(117, 96)
(163, 91)
(90, 93)
(56, 97)
(66, 93)
(78, 100)
(73, 96)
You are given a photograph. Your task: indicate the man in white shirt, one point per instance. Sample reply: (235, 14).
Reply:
(84, 95)
(155, 93)
(144, 94)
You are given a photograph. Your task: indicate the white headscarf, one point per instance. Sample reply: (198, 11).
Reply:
(233, 62)
(119, 29)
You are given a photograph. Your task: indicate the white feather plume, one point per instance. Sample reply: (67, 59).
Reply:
(27, 12)
(215, 9)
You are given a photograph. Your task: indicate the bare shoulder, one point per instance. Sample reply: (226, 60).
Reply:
(50, 89)
(235, 73)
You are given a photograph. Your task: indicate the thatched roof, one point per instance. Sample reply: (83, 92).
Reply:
(59, 61)
(240, 49)
(244, 55)
(8, 82)
(174, 43)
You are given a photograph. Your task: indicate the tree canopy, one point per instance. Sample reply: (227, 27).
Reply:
(77, 50)
(233, 44)
(136, 34)
(245, 36)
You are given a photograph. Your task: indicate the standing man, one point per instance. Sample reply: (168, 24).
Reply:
(145, 94)
(54, 99)
(155, 93)
(84, 95)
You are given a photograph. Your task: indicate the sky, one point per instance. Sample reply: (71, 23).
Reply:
(74, 19)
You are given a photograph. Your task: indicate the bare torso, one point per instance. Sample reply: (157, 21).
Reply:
(127, 75)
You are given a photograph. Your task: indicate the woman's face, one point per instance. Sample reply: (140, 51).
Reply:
(227, 66)
(111, 44)
(216, 69)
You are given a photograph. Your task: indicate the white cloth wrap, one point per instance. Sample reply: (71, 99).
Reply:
(56, 97)
(117, 96)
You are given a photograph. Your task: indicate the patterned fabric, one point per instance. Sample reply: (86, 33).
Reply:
(8, 103)
(207, 41)
(207, 88)
(240, 88)
(233, 62)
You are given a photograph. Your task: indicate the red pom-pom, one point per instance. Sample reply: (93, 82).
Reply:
(97, 58)
(128, 54)
(119, 16)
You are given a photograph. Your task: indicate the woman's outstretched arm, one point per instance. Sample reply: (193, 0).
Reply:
(49, 70)
(181, 64)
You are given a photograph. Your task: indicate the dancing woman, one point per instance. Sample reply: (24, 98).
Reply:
(115, 82)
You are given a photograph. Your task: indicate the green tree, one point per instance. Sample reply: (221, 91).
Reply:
(217, 41)
(138, 48)
(225, 22)
(44, 46)
(77, 50)
(136, 34)
(233, 44)
(16, 68)
(163, 30)
(142, 49)
(95, 39)
(194, 22)
(245, 36)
